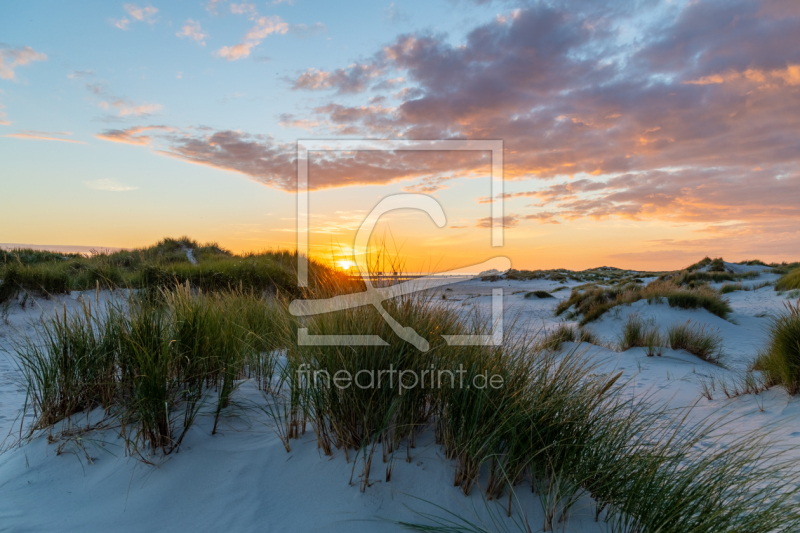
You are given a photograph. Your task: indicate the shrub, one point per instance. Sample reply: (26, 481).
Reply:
(780, 360)
(696, 340)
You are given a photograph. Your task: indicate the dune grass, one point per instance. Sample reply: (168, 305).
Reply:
(150, 364)
(780, 360)
(544, 420)
(164, 264)
(697, 340)
(789, 281)
(592, 303)
(538, 294)
(553, 339)
(642, 334)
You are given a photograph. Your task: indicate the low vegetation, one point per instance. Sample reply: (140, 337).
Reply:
(545, 421)
(554, 338)
(162, 265)
(151, 364)
(789, 281)
(697, 340)
(780, 360)
(592, 303)
(538, 294)
(642, 334)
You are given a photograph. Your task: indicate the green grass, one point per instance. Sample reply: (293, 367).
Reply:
(731, 287)
(696, 340)
(789, 281)
(555, 425)
(780, 359)
(150, 364)
(638, 333)
(162, 265)
(538, 294)
(592, 303)
(27, 256)
(553, 339)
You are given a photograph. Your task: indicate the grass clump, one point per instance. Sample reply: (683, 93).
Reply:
(538, 294)
(731, 287)
(150, 364)
(780, 360)
(638, 333)
(789, 281)
(554, 338)
(696, 340)
(592, 303)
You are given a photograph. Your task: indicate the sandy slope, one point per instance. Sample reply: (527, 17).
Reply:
(243, 480)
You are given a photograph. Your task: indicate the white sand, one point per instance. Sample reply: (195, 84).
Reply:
(242, 479)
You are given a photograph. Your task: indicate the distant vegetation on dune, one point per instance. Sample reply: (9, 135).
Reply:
(161, 265)
(688, 289)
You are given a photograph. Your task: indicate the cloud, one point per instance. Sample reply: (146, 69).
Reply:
(132, 135)
(138, 14)
(76, 74)
(211, 6)
(305, 30)
(508, 221)
(192, 30)
(395, 14)
(698, 122)
(3, 116)
(267, 161)
(107, 184)
(353, 79)
(127, 108)
(244, 9)
(687, 113)
(44, 136)
(428, 185)
(11, 58)
(142, 14)
(288, 120)
(264, 26)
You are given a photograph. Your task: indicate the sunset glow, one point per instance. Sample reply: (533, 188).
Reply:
(636, 136)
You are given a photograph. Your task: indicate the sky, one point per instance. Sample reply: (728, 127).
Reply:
(640, 134)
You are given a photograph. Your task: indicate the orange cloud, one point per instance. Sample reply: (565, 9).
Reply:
(126, 109)
(192, 30)
(264, 26)
(10, 58)
(43, 136)
(131, 135)
(789, 76)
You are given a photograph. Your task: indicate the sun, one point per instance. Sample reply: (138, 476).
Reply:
(345, 264)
